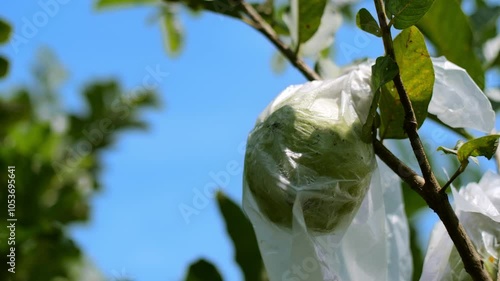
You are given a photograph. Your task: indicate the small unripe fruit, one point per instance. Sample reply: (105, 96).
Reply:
(300, 154)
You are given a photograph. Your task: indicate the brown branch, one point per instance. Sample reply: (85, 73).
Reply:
(263, 27)
(430, 192)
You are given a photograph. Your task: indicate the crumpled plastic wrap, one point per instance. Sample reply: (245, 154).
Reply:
(303, 210)
(478, 208)
(457, 100)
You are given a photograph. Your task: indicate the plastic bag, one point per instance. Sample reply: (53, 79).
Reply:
(478, 208)
(457, 100)
(295, 245)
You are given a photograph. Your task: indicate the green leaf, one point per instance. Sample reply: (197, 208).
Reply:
(225, 7)
(448, 28)
(309, 13)
(242, 234)
(103, 4)
(484, 146)
(383, 71)
(5, 31)
(172, 32)
(366, 22)
(417, 74)
(371, 120)
(202, 270)
(407, 12)
(4, 67)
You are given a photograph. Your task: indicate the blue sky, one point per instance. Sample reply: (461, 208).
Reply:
(211, 98)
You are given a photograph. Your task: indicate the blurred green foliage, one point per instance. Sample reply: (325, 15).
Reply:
(5, 33)
(56, 155)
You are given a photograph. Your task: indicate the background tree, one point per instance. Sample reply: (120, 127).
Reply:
(56, 155)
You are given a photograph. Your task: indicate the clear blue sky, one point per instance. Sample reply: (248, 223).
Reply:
(212, 96)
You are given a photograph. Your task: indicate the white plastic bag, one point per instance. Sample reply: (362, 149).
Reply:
(457, 100)
(478, 208)
(371, 246)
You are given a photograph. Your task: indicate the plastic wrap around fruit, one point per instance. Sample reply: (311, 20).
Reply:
(306, 149)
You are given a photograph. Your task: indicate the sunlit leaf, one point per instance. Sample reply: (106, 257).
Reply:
(224, 7)
(448, 28)
(484, 146)
(407, 12)
(309, 17)
(242, 234)
(172, 32)
(101, 4)
(366, 22)
(323, 38)
(202, 270)
(417, 74)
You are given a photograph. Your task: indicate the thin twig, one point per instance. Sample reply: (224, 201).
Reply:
(263, 27)
(457, 173)
(437, 201)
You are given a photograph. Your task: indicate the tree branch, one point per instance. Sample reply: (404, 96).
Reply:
(430, 192)
(263, 27)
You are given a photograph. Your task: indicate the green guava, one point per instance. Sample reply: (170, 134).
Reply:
(298, 154)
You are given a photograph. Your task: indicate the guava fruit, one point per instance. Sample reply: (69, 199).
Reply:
(298, 154)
